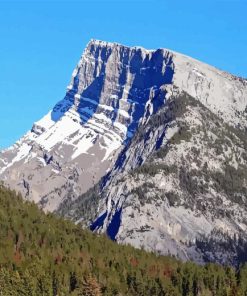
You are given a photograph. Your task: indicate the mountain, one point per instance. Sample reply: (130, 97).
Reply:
(148, 146)
(45, 255)
(179, 187)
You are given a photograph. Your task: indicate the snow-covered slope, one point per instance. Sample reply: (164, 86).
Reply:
(75, 144)
(156, 137)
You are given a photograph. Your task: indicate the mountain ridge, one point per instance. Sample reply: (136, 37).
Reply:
(105, 128)
(112, 43)
(123, 193)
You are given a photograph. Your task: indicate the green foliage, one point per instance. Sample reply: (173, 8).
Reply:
(154, 168)
(86, 205)
(232, 182)
(183, 134)
(45, 255)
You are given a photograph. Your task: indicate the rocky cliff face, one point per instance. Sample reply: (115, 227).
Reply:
(77, 142)
(148, 146)
(178, 188)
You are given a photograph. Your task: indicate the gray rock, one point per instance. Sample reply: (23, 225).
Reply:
(148, 146)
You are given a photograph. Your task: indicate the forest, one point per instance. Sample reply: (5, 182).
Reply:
(44, 255)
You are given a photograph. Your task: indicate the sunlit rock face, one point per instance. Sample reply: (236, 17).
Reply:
(147, 146)
(77, 142)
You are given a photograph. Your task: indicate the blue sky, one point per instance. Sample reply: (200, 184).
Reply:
(41, 42)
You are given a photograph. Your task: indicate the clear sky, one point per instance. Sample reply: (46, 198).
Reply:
(41, 42)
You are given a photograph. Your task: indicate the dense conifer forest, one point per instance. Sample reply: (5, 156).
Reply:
(41, 254)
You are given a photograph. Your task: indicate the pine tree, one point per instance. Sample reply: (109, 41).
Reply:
(91, 287)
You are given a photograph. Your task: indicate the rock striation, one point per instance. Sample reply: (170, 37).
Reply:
(148, 146)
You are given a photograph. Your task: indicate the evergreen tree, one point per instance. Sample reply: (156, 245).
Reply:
(90, 287)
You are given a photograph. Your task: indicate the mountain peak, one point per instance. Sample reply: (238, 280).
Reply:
(120, 108)
(101, 43)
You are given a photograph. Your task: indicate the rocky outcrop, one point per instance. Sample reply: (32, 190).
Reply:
(148, 146)
(178, 188)
(111, 91)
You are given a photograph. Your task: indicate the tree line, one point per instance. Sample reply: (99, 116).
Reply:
(44, 255)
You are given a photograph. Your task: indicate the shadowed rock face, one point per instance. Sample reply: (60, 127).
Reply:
(160, 133)
(117, 82)
(112, 89)
(179, 187)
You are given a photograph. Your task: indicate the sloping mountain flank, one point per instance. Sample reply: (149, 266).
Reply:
(148, 146)
(44, 255)
(178, 188)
